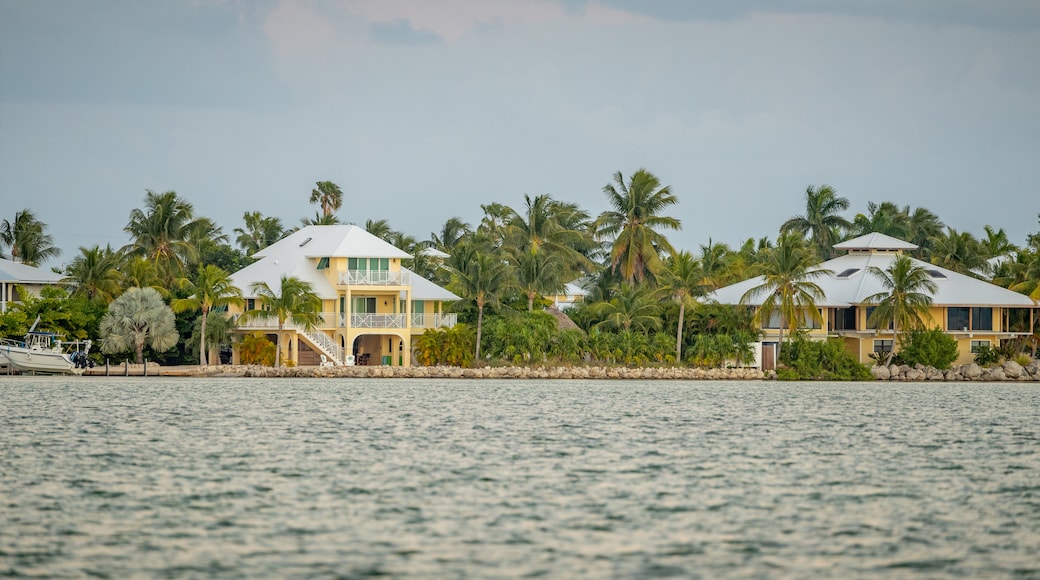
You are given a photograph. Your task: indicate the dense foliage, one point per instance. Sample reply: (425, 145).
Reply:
(805, 359)
(933, 348)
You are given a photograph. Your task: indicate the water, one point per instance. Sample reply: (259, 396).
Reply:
(353, 478)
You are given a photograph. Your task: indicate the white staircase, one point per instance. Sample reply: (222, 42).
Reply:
(324, 344)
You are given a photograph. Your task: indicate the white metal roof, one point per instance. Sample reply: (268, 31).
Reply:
(875, 241)
(850, 282)
(19, 273)
(288, 257)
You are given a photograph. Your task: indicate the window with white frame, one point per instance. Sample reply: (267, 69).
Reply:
(977, 345)
(882, 346)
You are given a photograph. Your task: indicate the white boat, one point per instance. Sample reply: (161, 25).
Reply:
(42, 352)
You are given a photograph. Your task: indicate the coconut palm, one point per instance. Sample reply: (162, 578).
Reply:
(632, 308)
(211, 288)
(960, 252)
(905, 299)
(259, 232)
(139, 317)
(95, 274)
(140, 272)
(451, 233)
(716, 264)
(26, 238)
(480, 277)
(923, 228)
(380, 229)
(321, 220)
(683, 279)
(787, 284)
(327, 195)
(293, 301)
(537, 274)
(996, 243)
(166, 232)
(821, 219)
(884, 218)
(633, 223)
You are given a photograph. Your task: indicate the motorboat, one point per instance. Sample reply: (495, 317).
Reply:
(44, 353)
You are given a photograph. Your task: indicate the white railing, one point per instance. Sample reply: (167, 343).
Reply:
(434, 320)
(257, 322)
(374, 278)
(378, 320)
(325, 343)
(316, 337)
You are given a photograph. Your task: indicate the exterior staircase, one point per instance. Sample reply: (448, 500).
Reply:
(323, 344)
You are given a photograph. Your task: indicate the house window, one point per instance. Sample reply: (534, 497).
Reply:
(844, 274)
(844, 319)
(419, 307)
(369, 264)
(882, 346)
(957, 318)
(773, 321)
(363, 304)
(981, 318)
(323, 263)
(871, 324)
(250, 303)
(977, 345)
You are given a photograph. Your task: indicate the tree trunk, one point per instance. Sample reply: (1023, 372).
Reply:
(278, 352)
(895, 343)
(530, 301)
(480, 324)
(678, 334)
(203, 360)
(781, 342)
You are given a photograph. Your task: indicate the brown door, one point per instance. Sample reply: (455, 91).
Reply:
(768, 356)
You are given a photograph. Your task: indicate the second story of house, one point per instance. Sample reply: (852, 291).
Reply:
(356, 274)
(17, 279)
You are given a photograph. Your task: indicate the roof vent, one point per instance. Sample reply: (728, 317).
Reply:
(305, 242)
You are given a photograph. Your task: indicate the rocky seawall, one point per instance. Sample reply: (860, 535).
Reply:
(1009, 371)
(577, 372)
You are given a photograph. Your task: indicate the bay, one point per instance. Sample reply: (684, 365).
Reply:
(124, 477)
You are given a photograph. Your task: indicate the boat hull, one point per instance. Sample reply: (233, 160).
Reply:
(37, 361)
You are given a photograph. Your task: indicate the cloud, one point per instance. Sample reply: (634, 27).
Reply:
(401, 32)
(295, 29)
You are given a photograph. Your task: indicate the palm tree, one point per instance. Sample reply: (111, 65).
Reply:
(960, 252)
(328, 195)
(482, 278)
(787, 284)
(380, 229)
(140, 272)
(716, 264)
(996, 243)
(683, 279)
(95, 274)
(451, 233)
(259, 232)
(884, 218)
(537, 274)
(905, 299)
(924, 227)
(137, 318)
(321, 220)
(634, 221)
(211, 288)
(27, 240)
(164, 232)
(820, 220)
(293, 301)
(632, 308)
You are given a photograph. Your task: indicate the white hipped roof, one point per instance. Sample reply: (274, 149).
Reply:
(850, 282)
(294, 255)
(18, 273)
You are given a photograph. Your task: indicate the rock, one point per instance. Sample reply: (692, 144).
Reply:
(880, 372)
(994, 374)
(1012, 369)
(971, 371)
(914, 375)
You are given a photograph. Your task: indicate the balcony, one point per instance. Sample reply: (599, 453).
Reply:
(434, 320)
(359, 320)
(374, 278)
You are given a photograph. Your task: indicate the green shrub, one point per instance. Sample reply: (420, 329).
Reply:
(256, 349)
(986, 355)
(932, 348)
(826, 360)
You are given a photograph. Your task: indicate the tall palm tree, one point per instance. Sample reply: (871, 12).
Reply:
(321, 220)
(788, 272)
(327, 195)
(632, 308)
(164, 232)
(95, 274)
(294, 301)
(923, 227)
(211, 288)
(821, 219)
(716, 264)
(633, 223)
(960, 252)
(905, 299)
(26, 238)
(996, 243)
(683, 279)
(537, 273)
(884, 218)
(137, 318)
(380, 229)
(259, 232)
(141, 272)
(451, 233)
(482, 278)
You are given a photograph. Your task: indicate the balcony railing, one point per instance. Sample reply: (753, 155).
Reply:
(360, 320)
(374, 278)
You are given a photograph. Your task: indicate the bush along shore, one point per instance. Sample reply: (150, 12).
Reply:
(1009, 371)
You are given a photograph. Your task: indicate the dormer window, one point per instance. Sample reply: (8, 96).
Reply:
(323, 263)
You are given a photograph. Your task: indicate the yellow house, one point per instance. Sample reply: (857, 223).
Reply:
(372, 306)
(17, 279)
(972, 311)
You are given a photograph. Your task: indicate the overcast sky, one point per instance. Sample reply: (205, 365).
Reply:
(422, 110)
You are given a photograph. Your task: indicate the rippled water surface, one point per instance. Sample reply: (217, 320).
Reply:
(352, 478)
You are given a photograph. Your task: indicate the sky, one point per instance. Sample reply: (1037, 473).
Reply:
(423, 110)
